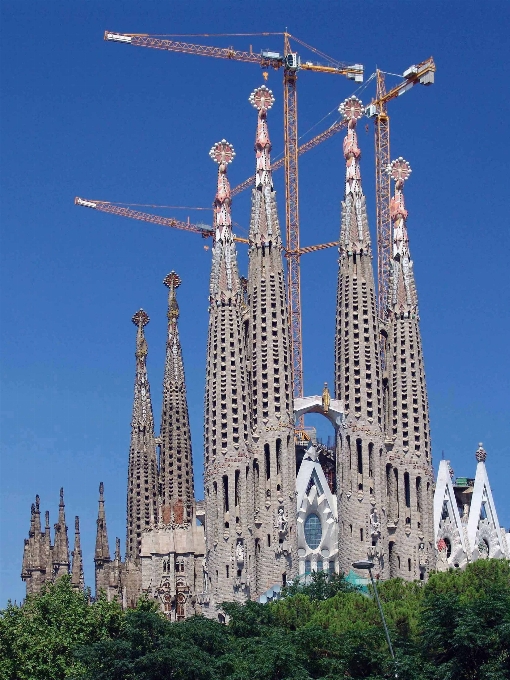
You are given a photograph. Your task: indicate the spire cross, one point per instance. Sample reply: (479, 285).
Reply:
(400, 171)
(222, 153)
(262, 99)
(352, 110)
(140, 319)
(172, 281)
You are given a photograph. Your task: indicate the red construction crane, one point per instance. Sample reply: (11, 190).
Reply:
(291, 63)
(204, 230)
(421, 74)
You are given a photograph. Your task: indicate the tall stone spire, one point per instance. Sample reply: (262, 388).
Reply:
(227, 479)
(33, 570)
(60, 552)
(358, 373)
(47, 544)
(175, 463)
(272, 415)
(410, 473)
(142, 470)
(77, 578)
(102, 552)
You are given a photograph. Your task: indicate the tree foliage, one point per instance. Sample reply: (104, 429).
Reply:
(454, 627)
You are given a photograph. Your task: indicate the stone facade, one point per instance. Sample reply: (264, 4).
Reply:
(269, 360)
(44, 562)
(409, 472)
(228, 474)
(466, 525)
(361, 455)
(278, 503)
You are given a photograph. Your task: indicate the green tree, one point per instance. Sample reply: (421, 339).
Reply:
(465, 623)
(38, 639)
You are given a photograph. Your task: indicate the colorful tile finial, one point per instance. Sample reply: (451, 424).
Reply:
(172, 280)
(141, 318)
(481, 453)
(352, 108)
(399, 170)
(262, 98)
(222, 152)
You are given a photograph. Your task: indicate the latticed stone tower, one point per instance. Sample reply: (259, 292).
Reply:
(410, 475)
(77, 577)
(175, 463)
(102, 549)
(60, 551)
(42, 561)
(228, 476)
(173, 548)
(142, 469)
(361, 453)
(274, 462)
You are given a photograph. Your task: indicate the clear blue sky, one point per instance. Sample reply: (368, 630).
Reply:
(101, 120)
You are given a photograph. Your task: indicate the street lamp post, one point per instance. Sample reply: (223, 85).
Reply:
(366, 565)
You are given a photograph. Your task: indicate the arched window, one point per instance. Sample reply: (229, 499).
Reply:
(313, 531)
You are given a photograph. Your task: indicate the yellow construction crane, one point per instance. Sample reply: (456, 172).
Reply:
(422, 74)
(202, 229)
(291, 63)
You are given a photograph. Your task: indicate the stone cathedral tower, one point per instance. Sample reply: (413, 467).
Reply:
(142, 471)
(175, 462)
(172, 548)
(268, 348)
(361, 452)
(410, 476)
(261, 523)
(228, 476)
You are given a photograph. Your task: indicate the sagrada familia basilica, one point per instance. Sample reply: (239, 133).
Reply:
(278, 504)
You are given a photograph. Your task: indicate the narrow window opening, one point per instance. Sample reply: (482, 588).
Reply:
(236, 487)
(360, 456)
(278, 456)
(225, 493)
(407, 488)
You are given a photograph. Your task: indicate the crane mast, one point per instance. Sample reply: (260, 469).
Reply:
(307, 146)
(291, 63)
(292, 218)
(422, 74)
(382, 196)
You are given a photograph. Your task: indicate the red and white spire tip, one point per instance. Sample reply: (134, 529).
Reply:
(352, 110)
(399, 170)
(262, 98)
(222, 153)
